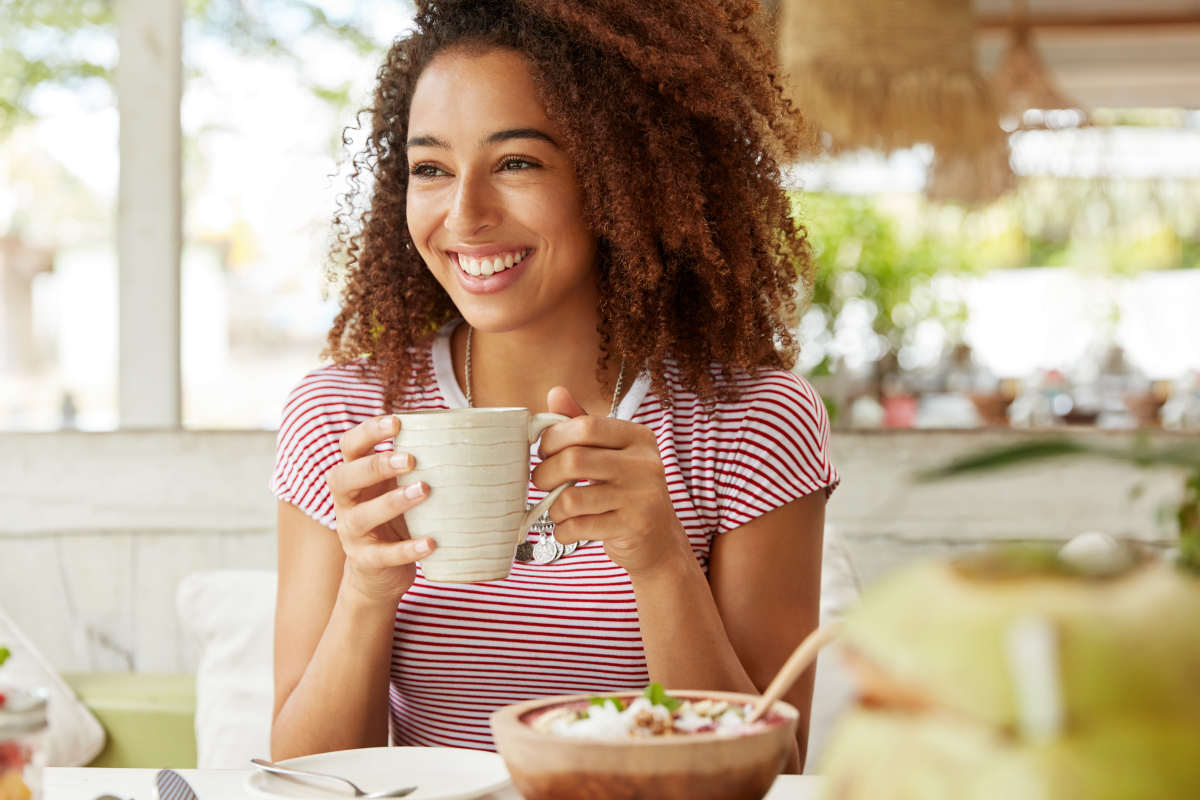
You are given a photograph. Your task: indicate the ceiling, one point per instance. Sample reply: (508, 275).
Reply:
(1104, 53)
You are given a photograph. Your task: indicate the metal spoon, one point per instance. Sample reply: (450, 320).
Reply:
(305, 775)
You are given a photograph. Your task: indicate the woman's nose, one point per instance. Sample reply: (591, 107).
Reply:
(473, 209)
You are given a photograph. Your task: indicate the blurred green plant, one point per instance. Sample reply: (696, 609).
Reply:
(39, 47)
(861, 257)
(68, 43)
(1102, 225)
(1186, 514)
(1189, 254)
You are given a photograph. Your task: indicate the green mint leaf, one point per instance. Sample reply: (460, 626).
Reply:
(658, 697)
(4, 654)
(599, 701)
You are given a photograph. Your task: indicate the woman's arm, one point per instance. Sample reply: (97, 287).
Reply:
(766, 580)
(337, 599)
(331, 648)
(731, 630)
(734, 630)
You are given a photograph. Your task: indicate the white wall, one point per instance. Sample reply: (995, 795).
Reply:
(96, 530)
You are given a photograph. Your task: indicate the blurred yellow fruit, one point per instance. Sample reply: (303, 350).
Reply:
(12, 786)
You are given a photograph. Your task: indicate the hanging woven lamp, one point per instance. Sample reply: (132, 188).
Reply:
(1023, 81)
(971, 179)
(889, 74)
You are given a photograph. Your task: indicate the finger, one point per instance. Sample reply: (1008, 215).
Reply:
(592, 528)
(559, 400)
(346, 480)
(577, 464)
(592, 431)
(362, 518)
(362, 438)
(380, 555)
(583, 501)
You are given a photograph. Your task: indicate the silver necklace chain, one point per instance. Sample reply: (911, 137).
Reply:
(546, 550)
(612, 411)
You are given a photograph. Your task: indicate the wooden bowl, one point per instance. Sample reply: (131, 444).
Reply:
(696, 766)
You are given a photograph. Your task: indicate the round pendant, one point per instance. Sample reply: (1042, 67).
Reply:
(547, 549)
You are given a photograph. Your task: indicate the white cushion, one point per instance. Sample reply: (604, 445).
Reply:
(75, 736)
(229, 615)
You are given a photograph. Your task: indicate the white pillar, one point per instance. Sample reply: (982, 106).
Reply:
(20, 263)
(149, 225)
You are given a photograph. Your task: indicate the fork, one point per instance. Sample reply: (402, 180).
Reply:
(305, 775)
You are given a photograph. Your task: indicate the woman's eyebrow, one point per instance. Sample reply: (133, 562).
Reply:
(427, 141)
(494, 138)
(518, 133)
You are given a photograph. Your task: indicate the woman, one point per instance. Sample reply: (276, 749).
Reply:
(574, 207)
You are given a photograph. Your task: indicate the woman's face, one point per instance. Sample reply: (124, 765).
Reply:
(494, 206)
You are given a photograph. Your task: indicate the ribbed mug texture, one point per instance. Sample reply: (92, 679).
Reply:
(476, 463)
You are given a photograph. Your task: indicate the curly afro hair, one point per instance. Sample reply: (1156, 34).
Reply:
(675, 119)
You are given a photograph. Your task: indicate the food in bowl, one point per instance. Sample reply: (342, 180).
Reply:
(555, 748)
(655, 713)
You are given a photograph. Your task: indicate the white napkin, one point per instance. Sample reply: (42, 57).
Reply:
(75, 736)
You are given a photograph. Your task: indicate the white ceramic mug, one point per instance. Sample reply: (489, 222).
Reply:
(476, 464)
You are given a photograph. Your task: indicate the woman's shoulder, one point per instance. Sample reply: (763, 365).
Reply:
(355, 382)
(343, 392)
(778, 429)
(776, 387)
(742, 393)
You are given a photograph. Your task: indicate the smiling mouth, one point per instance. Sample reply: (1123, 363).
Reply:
(485, 267)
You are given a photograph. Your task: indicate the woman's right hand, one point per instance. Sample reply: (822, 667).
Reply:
(368, 505)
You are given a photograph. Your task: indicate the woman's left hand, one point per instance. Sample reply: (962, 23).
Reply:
(627, 505)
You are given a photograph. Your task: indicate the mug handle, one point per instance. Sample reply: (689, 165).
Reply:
(537, 424)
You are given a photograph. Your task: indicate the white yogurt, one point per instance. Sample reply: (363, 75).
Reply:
(642, 719)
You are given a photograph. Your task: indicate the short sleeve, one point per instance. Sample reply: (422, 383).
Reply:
(780, 452)
(322, 407)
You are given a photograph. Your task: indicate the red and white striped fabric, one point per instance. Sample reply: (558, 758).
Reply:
(462, 650)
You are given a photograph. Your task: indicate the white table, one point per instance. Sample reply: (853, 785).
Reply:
(227, 784)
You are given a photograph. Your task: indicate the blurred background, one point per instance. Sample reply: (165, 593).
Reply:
(1003, 200)
(1021, 247)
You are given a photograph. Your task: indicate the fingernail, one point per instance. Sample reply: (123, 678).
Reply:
(385, 424)
(413, 491)
(400, 461)
(423, 547)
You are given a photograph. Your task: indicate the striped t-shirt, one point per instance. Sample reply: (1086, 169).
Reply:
(460, 651)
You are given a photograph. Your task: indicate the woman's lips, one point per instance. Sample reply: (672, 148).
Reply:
(489, 284)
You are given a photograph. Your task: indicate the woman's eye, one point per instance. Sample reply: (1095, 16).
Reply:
(425, 171)
(517, 164)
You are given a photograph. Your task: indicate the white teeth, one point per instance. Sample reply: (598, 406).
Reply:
(483, 267)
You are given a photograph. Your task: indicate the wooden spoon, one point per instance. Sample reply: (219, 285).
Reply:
(797, 662)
